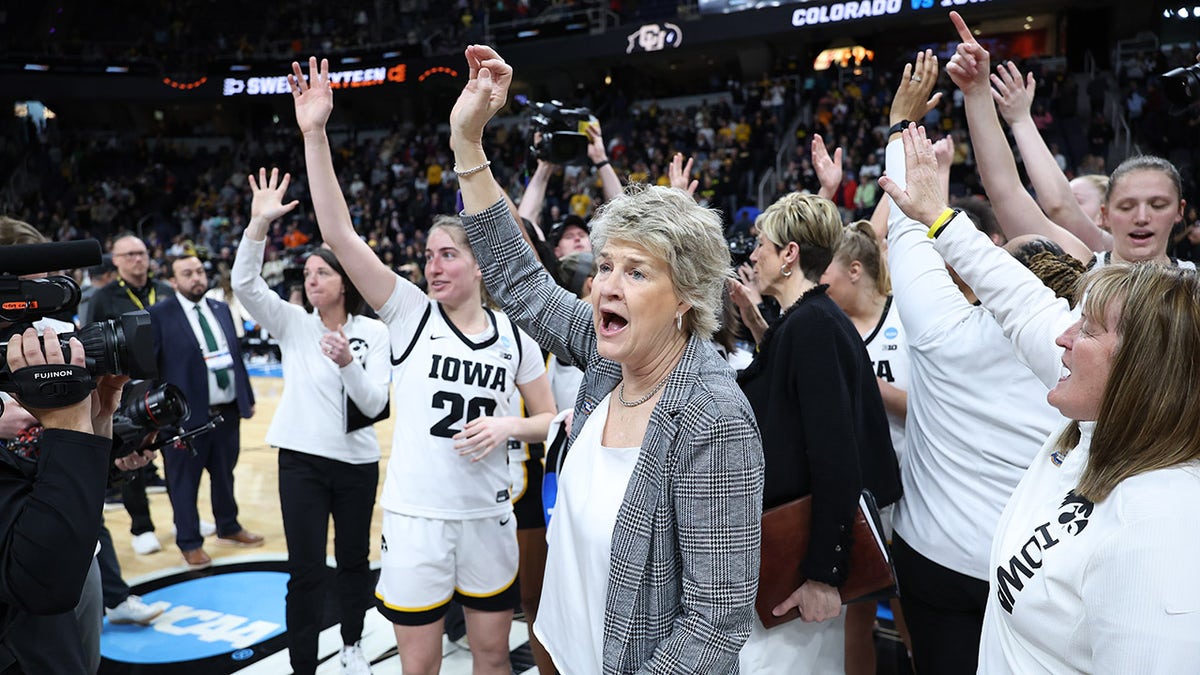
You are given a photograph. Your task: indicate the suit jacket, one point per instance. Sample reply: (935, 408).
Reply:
(685, 549)
(181, 361)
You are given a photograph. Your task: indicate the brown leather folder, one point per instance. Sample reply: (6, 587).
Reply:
(785, 534)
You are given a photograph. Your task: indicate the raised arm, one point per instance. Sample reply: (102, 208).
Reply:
(610, 182)
(314, 102)
(266, 205)
(534, 196)
(556, 319)
(1014, 97)
(928, 299)
(1016, 211)
(680, 174)
(828, 167)
(1029, 313)
(913, 99)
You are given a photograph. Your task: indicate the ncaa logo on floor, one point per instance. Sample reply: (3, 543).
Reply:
(216, 621)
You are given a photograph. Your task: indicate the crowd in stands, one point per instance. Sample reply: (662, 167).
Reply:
(398, 179)
(190, 33)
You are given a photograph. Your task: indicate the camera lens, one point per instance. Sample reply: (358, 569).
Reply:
(123, 346)
(1182, 85)
(164, 406)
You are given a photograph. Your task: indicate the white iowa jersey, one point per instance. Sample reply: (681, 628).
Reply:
(443, 379)
(888, 348)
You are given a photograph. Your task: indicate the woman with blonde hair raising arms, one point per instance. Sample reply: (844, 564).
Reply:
(653, 552)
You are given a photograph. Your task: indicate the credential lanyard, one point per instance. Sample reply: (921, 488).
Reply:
(136, 300)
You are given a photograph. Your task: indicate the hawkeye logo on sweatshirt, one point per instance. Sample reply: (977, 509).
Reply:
(1072, 519)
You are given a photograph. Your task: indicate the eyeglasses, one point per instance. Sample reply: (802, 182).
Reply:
(131, 254)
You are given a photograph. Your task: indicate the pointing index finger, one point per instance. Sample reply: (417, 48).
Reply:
(964, 33)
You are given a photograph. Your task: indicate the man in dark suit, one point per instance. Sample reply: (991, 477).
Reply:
(197, 351)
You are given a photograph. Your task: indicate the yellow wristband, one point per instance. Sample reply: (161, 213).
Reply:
(936, 228)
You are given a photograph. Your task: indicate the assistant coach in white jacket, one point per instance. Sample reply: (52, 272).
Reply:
(334, 362)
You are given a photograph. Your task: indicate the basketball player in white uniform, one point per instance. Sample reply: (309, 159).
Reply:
(448, 527)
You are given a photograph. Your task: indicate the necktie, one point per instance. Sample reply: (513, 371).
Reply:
(210, 342)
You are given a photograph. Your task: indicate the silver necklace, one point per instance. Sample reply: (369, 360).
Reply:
(647, 397)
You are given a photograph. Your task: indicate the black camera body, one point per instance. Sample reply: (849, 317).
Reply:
(145, 409)
(1182, 86)
(740, 248)
(293, 273)
(558, 134)
(122, 346)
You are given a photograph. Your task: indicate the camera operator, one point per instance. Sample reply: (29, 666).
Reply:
(534, 197)
(51, 500)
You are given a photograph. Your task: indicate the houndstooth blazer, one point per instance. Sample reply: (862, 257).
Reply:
(684, 568)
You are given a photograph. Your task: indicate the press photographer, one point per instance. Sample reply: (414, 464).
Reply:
(52, 475)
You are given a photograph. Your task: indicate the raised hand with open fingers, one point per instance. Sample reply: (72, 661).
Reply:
(828, 167)
(969, 67)
(1013, 96)
(679, 173)
(913, 100)
(313, 97)
(485, 93)
(267, 200)
(924, 197)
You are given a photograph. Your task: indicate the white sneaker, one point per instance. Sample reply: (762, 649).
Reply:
(145, 543)
(354, 662)
(207, 528)
(133, 610)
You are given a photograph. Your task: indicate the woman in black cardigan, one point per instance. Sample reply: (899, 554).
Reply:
(824, 428)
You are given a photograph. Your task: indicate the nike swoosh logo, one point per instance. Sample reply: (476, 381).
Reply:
(505, 521)
(1178, 610)
(436, 337)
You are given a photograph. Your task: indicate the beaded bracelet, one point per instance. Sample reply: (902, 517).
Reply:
(474, 169)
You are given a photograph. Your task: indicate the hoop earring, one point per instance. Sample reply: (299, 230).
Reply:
(783, 269)
(678, 321)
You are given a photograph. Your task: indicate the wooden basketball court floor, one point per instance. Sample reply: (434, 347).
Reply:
(256, 487)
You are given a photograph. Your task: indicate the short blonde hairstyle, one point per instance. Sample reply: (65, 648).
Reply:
(812, 222)
(1149, 415)
(671, 226)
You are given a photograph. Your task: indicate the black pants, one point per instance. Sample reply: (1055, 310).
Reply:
(133, 494)
(217, 453)
(115, 588)
(943, 610)
(311, 489)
